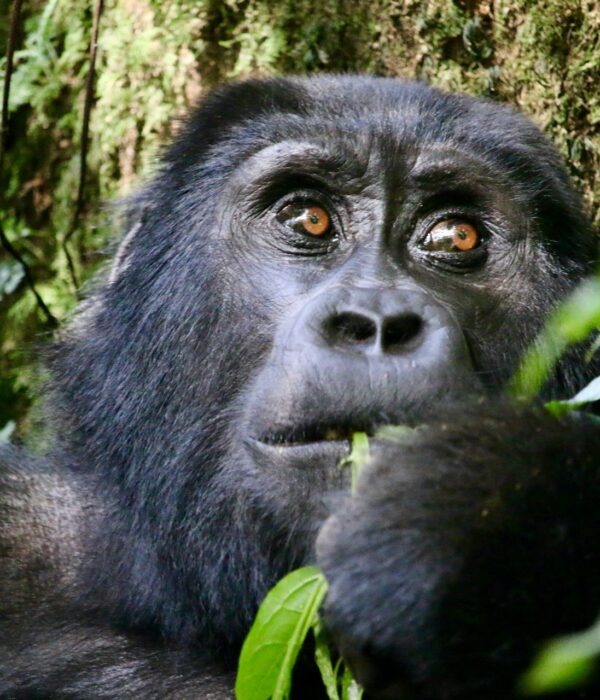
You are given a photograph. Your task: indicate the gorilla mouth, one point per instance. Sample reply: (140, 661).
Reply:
(298, 436)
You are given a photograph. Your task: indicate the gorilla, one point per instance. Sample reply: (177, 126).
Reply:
(314, 257)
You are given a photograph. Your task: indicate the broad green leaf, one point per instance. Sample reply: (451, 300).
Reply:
(272, 645)
(571, 323)
(560, 408)
(563, 663)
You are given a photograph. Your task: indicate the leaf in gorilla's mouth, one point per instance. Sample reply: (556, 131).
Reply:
(310, 434)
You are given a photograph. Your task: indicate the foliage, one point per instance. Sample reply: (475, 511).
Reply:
(564, 663)
(277, 635)
(359, 456)
(572, 322)
(569, 661)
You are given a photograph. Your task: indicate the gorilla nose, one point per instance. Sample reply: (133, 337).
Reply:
(358, 331)
(374, 321)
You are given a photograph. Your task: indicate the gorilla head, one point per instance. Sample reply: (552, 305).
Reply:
(314, 257)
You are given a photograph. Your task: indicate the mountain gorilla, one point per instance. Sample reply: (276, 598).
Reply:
(315, 257)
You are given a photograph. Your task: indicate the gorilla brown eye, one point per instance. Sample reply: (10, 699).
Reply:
(452, 236)
(303, 218)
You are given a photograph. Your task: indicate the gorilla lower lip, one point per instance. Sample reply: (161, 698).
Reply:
(318, 455)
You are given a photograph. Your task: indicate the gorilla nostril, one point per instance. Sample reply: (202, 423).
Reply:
(399, 331)
(351, 328)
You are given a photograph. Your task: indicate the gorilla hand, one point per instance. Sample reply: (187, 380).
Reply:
(424, 599)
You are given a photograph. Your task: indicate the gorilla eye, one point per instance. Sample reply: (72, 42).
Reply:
(305, 218)
(452, 236)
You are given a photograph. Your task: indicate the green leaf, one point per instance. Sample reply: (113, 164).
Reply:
(587, 395)
(590, 393)
(323, 659)
(571, 323)
(276, 637)
(358, 457)
(350, 688)
(564, 663)
(560, 408)
(396, 433)
(592, 350)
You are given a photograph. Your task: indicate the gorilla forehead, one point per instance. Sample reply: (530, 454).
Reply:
(368, 163)
(385, 122)
(331, 106)
(388, 118)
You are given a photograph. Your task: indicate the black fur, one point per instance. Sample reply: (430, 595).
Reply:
(217, 347)
(471, 562)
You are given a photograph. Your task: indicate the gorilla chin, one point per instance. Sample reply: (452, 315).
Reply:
(314, 257)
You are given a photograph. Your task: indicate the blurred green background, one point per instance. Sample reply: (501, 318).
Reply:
(156, 57)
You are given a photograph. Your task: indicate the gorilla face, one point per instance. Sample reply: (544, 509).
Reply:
(358, 341)
(384, 255)
(315, 257)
